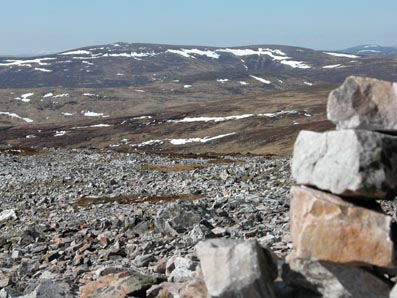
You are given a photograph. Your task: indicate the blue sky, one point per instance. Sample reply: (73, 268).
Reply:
(40, 26)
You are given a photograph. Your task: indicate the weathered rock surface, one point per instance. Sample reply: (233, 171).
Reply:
(175, 219)
(117, 285)
(347, 162)
(7, 215)
(328, 228)
(334, 280)
(50, 289)
(8, 293)
(364, 103)
(194, 288)
(179, 269)
(237, 268)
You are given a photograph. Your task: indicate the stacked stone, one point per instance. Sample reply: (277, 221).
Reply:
(339, 231)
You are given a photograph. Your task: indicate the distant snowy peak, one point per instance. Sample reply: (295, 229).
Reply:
(372, 50)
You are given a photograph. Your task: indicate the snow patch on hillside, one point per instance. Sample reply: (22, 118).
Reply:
(295, 64)
(198, 140)
(261, 80)
(100, 125)
(42, 69)
(237, 117)
(260, 51)
(275, 54)
(141, 117)
(13, 115)
(341, 55)
(60, 133)
(50, 94)
(134, 55)
(182, 141)
(187, 53)
(25, 97)
(93, 126)
(27, 63)
(77, 52)
(210, 119)
(93, 114)
(332, 66)
(61, 95)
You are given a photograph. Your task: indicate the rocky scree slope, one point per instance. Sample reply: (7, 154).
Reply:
(81, 214)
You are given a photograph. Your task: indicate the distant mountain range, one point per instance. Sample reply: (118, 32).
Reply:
(141, 65)
(172, 98)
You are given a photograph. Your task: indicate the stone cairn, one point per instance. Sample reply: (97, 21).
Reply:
(343, 244)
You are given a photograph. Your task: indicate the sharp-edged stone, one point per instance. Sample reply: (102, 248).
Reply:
(364, 103)
(237, 268)
(179, 269)
(50, 289)
(7, 215)
(117, 285)
(328, 228)
(355, 163)
(9, 293)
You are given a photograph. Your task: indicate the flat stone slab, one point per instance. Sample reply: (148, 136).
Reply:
(364, 103)
(356, 163)
(327, 228)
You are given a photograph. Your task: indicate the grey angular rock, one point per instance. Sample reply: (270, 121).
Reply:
(355, 163)
(334, 280)
(237, 268)
(193, 288)
(50, 289)
(364, 103)
(144, 260)
(7, 215)
(9, 293)
(175, 219)
(179, 269)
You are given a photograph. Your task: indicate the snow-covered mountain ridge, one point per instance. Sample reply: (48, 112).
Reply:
(125, 64)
